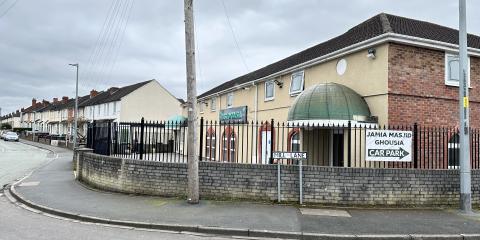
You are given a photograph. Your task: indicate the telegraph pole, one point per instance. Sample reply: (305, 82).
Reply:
(193, 184)
(465, 176)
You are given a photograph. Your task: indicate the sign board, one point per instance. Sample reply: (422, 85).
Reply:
(233, 115)
(388, 145)
(290, 155)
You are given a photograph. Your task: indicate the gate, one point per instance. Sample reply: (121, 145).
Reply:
(99, 137)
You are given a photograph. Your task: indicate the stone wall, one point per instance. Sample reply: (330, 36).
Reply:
(322, 185)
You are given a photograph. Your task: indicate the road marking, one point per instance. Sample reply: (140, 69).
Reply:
(29, 184)
(324, 212)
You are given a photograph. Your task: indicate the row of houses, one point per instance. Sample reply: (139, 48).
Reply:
(147, 99)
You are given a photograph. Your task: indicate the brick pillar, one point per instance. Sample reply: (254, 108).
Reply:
(78, 161)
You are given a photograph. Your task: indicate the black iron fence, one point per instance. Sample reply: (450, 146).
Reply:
(338, 145)
(145, 140)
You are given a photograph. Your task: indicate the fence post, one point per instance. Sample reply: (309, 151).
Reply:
(271, 140)
(349, 136)
(415, 145)
(200, 151)
(109, 136)
(142, 129)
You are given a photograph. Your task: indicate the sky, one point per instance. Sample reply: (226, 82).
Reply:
(121, 42)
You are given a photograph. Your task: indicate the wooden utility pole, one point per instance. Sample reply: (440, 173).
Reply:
(193, 184)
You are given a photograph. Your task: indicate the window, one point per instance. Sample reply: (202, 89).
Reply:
(105, 109)
(269, 90)
(213, 104)
(210, 149)
(202, 107)
(114, 107)
(99, 107)
(295, 142)
(296, 85)
(230, 100)
(452, 70)
(454, 152)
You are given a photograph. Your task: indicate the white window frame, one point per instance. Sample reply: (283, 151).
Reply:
(449, 82)
(272, 82)
(202, 107)
(229, 101)
(213, 104)
(301, 73)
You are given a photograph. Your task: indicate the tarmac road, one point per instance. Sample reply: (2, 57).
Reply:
(17, 160)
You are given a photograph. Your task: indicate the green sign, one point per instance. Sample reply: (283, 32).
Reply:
(233, 115)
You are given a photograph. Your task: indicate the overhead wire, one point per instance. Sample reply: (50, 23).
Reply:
(116, 36)
(234, 35)
(93, 54)
(8, 9)
(118, 47)
(105, 45)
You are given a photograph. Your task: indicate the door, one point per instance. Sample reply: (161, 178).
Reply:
(266, 146)
(338, 148)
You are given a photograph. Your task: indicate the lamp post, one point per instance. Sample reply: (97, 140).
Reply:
(75, 116)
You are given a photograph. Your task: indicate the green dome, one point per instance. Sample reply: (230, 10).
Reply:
(329, 101)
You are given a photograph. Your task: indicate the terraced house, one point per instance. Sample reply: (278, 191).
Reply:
(388, 70)
(148, 100)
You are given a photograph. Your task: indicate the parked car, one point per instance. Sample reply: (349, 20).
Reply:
(11, 136)
(3, 133)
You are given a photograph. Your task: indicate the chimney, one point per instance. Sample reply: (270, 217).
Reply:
(22, 110)
(93, 93)
(64, 99)
(45, 102)
(34, 102)
(55, 100)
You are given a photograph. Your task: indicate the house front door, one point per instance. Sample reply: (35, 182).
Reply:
(266, 146)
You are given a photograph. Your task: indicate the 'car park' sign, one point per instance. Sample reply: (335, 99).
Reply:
(388, 146)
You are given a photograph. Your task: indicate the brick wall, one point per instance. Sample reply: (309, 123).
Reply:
(323, 185)
(417, 90)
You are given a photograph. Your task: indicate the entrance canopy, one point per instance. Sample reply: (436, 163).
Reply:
(329, 104)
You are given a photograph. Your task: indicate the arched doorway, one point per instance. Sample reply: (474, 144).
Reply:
(228, 145)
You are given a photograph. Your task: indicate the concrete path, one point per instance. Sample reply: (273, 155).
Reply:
(53, 186)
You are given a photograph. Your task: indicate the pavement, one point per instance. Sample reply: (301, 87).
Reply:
(53, 189)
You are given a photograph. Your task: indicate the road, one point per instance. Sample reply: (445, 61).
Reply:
(16, 160)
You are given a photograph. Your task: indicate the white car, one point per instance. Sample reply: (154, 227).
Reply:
(11, 136)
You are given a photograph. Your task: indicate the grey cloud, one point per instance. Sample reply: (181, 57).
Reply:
(39, 39)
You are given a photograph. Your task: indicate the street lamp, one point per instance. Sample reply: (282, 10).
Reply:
(75, 116)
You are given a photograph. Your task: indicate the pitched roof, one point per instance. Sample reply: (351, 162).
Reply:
(373, 27)
(114, 94)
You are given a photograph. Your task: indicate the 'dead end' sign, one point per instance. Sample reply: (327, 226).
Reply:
(388, 145)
